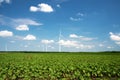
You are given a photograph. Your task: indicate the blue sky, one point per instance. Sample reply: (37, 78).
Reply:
(35, 25)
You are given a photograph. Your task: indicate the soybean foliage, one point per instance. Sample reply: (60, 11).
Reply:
(59, 66)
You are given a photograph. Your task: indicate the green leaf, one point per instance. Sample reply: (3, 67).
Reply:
(13, 77)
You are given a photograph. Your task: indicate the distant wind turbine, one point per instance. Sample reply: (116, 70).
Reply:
(43, 48)
(6, 48)
(59, 41)
(46, 47)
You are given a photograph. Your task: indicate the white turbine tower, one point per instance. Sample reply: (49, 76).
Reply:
(43, 47)
(59, 41)
(6, 47)
(46, 47)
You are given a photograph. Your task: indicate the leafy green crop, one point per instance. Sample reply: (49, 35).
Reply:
(59, 66)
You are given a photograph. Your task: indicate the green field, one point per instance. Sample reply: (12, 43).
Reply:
(59, 66)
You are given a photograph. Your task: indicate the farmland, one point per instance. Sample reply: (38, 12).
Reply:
(59, 66)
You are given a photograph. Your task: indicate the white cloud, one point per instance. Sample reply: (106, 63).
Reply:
(115, 38)
(80, 14)
(101, 45)
(12, 41)
(1, 1)
(47, 41)
(82, 46)
(117, 43)
(109, 47)
(81, 37)
(6, 1)
(22, 28)
(42, 8)
(73, 36)
(85, 38)
(78, 17)
(58, 6)
(75, 44)
(6, 33)
(33, 9)
(29, 37)
(68, 43)
(7, 21)
(51, 47)
(26, 22)
(45, 7)
(75, 19)
(25, 46)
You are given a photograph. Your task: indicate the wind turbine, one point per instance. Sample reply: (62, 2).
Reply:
(6, 49)
(46, 47)
(43, 47)
(59, 41)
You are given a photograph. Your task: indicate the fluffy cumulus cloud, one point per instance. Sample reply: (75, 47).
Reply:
(68, 43)
(6, 33)
(22, 28)
(45, 41)
(75, 44)
(33, 9)
(29, 37)
(115, 37)
(43, 7)
(6, 1)
(73, 36)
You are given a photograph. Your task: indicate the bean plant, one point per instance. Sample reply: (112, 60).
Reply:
(59, 66)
